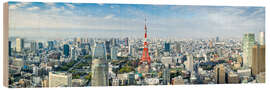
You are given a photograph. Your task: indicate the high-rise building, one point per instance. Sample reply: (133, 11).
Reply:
(258, 59)
(79, 40)
(113, 42)
(233, 77)
(9, 48)
(50, 45)
(130, 48)
(40, 45)
(66, 50)
(18, 62)
(33, 46)
(99, 65)
(113, 53)
(248, 43)
(45, 83)
(73, 53)
(190, 62)
(178, 80)
(166, 75)
(262, 38)
(108, 47)
(217, 39)
(19, 44)
(220, 74)
(126, 41)
(167, 47)
(210, 44)
(178, 48)
(59, 79)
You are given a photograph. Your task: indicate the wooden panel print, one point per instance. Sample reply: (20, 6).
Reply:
(90, 44)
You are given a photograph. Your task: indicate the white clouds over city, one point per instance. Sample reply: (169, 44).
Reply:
(181, 21)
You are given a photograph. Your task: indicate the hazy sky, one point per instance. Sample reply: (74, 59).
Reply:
(62, 20)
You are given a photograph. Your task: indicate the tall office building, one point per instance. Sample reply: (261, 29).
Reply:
(73, 53)
(108, 47)
(262, 38)
(130, 48)
(50, 45)
(217, 39)
(178, 48)
(113, 42)
(66, 50)
(126, 41)
(59, 79)
(33, 46)
(220, 74)
(233, 77)
(40, 45)
(19, 44)
(167, 47)
(99, 65)
(248, 43)
(258, 59)
(166, 75)
(190, 62)
(9, 48)
(113, 53)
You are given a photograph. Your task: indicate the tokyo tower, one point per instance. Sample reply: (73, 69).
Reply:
(145, 53)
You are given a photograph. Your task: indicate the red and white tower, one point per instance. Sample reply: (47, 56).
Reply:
(145, 53)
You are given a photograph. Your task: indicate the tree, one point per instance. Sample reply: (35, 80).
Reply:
(88, 77)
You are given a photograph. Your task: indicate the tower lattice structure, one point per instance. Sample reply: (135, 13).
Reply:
(145, 53)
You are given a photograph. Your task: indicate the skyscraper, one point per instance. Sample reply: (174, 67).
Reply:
(248, 43)
(9, 48)
(126, 41)
(19, 44)
(73, 53)
(40, 45)
(167, 47)
(189, 62)
(166, 75)
(113, 53)
(33, 46)
(108, 45)
(258, 59)
(66, 50)
(262, 38)
(50, 45)
(130, 48)
(99, 65)
(220, 74)
(58, 79)
(217, 39)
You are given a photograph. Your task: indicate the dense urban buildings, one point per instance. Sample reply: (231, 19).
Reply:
(86, 62)
(58, 79)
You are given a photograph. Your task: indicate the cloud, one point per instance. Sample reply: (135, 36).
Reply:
(49, 3)
(100, 4)
(201, 21)
(12, 6)
(114, 6)
(33, 8)
(18, 5)
(109, 16)
(70, 6)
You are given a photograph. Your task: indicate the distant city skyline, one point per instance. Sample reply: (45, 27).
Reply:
(66, 20)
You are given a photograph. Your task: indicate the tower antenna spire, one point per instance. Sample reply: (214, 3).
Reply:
(145, 56)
